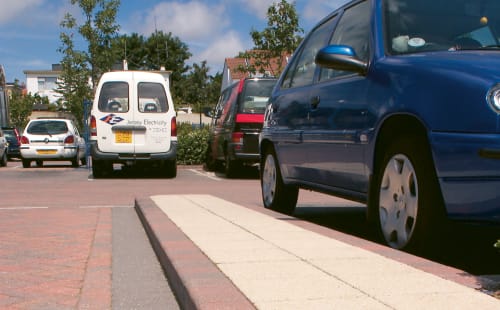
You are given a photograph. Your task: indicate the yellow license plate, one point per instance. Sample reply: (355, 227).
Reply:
(46, 152)
(123, 136)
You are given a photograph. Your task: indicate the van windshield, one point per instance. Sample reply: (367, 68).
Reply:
(255, 96)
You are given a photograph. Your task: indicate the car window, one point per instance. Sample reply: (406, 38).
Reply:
(301, 72)
(417, 26)
(114, 97)
(77, 133)
(353, 30)
(223, 100)
(47, 127)
(255, 96)
(152, 98)
(230, 106)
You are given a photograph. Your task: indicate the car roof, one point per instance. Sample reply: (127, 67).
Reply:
(127, 76)
(50, 119)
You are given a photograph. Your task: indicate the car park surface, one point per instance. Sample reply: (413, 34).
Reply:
(385, 105)
(52, 139)
(236, 124)
(88, 219)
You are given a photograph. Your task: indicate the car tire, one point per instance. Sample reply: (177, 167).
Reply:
(276, 195)
(3, 161)
(26, 163)
(409, 205)
(39, 163)
(100, 168)
(231, 167)
(210, 162)
(75, 162)
(83, 160)
(170, 168)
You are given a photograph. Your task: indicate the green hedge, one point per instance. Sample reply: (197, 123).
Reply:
(192, 144)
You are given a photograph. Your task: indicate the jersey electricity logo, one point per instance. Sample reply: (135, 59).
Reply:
(111, 119)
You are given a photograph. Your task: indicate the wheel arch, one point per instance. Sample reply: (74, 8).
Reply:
(264, 145)
(391, 129)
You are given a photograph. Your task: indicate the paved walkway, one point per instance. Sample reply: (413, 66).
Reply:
(219, 255)
(64, 261)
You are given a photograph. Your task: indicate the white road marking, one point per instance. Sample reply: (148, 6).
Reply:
(209, 175)
(23, 208)
(105, 206)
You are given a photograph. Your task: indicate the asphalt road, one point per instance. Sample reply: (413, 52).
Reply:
(136, 277)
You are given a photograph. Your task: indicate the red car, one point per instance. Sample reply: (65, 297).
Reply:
(236, 124)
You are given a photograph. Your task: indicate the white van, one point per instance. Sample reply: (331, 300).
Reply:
(133, 122)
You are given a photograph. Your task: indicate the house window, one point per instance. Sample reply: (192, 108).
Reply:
(47, 83)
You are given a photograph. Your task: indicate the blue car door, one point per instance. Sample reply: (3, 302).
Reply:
(290, 104)
(339, 112)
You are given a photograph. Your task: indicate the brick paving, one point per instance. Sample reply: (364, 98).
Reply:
(56, 258)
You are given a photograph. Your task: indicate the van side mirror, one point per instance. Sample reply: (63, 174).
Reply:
(340, 57)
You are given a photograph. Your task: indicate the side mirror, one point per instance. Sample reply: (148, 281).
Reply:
(340, 57)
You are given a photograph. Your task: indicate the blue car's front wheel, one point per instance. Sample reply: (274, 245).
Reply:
(276, 195)
(408, 196)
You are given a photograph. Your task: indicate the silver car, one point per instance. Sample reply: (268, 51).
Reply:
(52, 140)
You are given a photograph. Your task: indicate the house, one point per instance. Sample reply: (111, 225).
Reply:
(4, 110)
(231, 72)
(44, 82)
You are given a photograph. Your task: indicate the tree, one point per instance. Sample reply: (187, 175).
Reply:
(195, 87)
(199, 89)
(213, 91)
(152, 53)
(81, 67)
(20, 106)
(99, 29)
(275, 42)
(74, 80)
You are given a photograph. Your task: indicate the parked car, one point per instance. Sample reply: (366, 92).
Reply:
(133, 122)
(14, 140)
(4, 145)
(385, 104)
(52, 139)
(236, 124)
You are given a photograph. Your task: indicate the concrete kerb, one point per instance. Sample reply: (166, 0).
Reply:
(195, 280)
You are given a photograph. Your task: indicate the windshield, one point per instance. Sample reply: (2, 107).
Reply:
(47, 128)
(436, 25)
(255, 96)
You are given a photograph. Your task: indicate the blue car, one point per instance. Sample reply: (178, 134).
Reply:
(395, 104)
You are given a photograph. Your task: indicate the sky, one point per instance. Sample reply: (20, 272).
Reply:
(213, 30)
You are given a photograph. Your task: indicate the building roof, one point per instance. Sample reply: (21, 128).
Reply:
(232, 74)
(234, 63)
(42, 72)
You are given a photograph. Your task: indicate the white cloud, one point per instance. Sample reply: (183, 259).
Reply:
(13, 9)
(224, 46)
(258, 7)
(190, 21)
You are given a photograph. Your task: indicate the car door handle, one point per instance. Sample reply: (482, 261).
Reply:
(315, 102)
